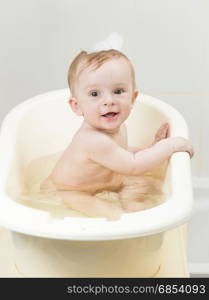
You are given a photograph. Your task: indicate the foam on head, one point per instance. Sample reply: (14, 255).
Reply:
(95, 59)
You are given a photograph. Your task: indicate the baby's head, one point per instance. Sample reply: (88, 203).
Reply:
(103, 88)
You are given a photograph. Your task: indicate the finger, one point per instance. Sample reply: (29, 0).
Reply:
(162, 131)
(191, 153)
(166, 128)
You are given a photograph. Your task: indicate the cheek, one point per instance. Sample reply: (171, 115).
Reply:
(126, 109)
(126, 104)
(90, 110)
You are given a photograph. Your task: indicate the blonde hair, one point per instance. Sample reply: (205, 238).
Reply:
(96, 59)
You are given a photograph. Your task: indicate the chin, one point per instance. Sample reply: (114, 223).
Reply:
(111, 127)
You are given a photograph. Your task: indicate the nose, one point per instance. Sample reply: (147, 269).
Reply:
(109, 100)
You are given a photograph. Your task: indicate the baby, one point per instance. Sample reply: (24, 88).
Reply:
(103, 92)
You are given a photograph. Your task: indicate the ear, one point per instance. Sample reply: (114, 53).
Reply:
(75, 106)
(135, 95)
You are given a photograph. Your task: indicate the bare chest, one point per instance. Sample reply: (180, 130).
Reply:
(77, 172)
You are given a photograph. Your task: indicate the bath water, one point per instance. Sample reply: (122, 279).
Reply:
(150, 184)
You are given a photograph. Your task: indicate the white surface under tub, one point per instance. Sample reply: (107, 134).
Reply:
(198, 230)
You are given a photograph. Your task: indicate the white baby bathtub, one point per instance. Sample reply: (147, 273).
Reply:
(85, 247)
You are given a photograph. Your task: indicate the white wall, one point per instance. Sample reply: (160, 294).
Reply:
(167, 41)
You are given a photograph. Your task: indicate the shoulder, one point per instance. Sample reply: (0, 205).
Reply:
(98, 140)
(90, 138)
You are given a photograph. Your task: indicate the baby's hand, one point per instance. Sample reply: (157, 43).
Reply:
(162, 133)
(181, 144)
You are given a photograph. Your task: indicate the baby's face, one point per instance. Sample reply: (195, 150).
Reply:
(105, 96)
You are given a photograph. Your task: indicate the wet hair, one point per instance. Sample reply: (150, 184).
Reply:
(94, 59)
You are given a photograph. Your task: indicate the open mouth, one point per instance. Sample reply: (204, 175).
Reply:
(110, 115)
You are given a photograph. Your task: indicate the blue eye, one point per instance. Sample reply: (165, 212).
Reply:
(119, 91)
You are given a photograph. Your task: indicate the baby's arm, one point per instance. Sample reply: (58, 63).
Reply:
(151, 157)
(103, 150)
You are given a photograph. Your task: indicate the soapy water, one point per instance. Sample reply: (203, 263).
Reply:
(149, 187)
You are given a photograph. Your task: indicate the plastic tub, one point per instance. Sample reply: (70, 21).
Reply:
(85, 247)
